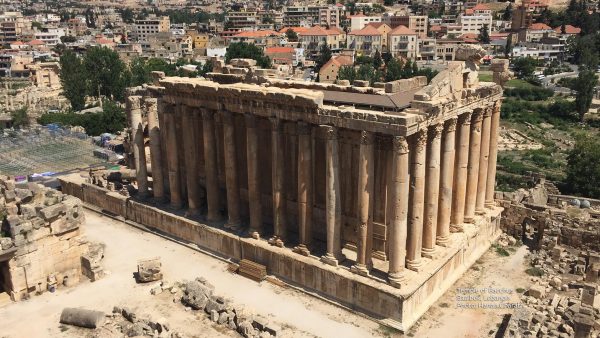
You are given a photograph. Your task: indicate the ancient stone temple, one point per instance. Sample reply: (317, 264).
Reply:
(377, 198)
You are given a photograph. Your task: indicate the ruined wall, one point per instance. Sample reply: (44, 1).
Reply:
(41, 242)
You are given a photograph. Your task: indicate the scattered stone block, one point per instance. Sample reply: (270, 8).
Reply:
(537, 291)
(149, 270)
(83, 318)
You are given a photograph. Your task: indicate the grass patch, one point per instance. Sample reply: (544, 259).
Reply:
(520, 290)
(388, 331)
(518, 83)
(502, 252)
(485, 77)
(535, 272)
(444, 305)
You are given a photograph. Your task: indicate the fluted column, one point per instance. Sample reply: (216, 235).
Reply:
(137, 144)
(417, 198)
(173, 158)
(459, 186)
(305, 187)
(189, 122)
(483, 161)
(473, 166)
(277, 167)
(231, 175)
(333, 206)
(365, 196)
(399, 217)
(432, 189)
(210, 166)
(491, 174)
(158, 185)
(446, 179)
(254, 195)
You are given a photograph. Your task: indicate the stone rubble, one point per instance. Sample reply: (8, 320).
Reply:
(149, 270)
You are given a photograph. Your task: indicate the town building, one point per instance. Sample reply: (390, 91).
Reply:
(143, 29)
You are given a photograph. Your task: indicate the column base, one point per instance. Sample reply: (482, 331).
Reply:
(192, 213)
(457, 228)
(330, 259)
(276, 241)
(414, 265)
(302, 250)
(396, 279)
(480, 211)
(443, 241)
(428, 252)
(469, 219)
(176, 205)
(233, 225)
(360, 269)
(490, 204)
(213, 218)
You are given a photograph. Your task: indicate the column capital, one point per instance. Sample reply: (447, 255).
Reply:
(420, 139)
(435, 131)
(134, 102)
(400, 145)
(250, 120)
(477, 115)
(366, 138)
(303, 128)
(496, 106)
(451, 124)
(465, 119)
(329, 132)
(150, 101)
(488, 111)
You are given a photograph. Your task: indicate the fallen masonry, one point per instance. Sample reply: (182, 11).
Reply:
(199, 296)
(149, 270)
(41, 244)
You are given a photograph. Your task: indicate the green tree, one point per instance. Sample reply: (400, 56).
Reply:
(377, 60)
(507, 14)
(524, 66)
(291, 35)
(245, 50)
(586, 81)
(19, 117)
(323, 57)
(484, 34)
(108, 76)
(347, 73)
(140, 73)
(509, 46)
(206, 68)
(74, 79)
(393, 70)
(583, 167)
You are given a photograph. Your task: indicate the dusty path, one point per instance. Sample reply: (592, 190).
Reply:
(299, 314)
(446, 319)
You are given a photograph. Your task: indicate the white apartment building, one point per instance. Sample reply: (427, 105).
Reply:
(473, 23)
(359, 21)
(50, 36)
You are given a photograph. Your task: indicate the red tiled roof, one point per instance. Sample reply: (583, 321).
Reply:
(376, 24)
(318, 30)
(36, 43)
(540, 26)
(256, 34)
(295, 29)
(568, 29)
(402, 30)
(367, 30)
(481, 7)
(279, 50)
(340, 60)
(17, 43)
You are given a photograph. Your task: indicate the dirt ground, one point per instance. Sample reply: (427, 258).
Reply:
(446, 319)
(299, 315)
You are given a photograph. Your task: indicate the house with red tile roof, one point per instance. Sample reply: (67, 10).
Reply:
(329, 72)
(384, 29)
(569, 30)
(312, 38)
(403, 42)
(366, 41)
(263, 38)
(535, 32)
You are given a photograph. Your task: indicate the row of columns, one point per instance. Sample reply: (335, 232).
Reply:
(446, 171)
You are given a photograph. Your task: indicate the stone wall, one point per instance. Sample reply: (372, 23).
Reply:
(41, 242)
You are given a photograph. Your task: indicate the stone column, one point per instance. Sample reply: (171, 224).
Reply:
(158, 185)
(231, 175)
(483, 161)
(333, 205)
(254, 194)
(417, 198)
(210, 166)
(491, 174)
(365, 216)
(459, 186)
(189, 122)
(399, 200)
(447, 176)
(173, 159)
(137, 144)
(432, 189)
(473, 167)
(277, 168)
(305, 187)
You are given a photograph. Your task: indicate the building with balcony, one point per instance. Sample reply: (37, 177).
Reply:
(143, 29)
(366, 41)
(403, 42)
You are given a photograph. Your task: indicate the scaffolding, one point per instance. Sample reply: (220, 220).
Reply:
(45, 149)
